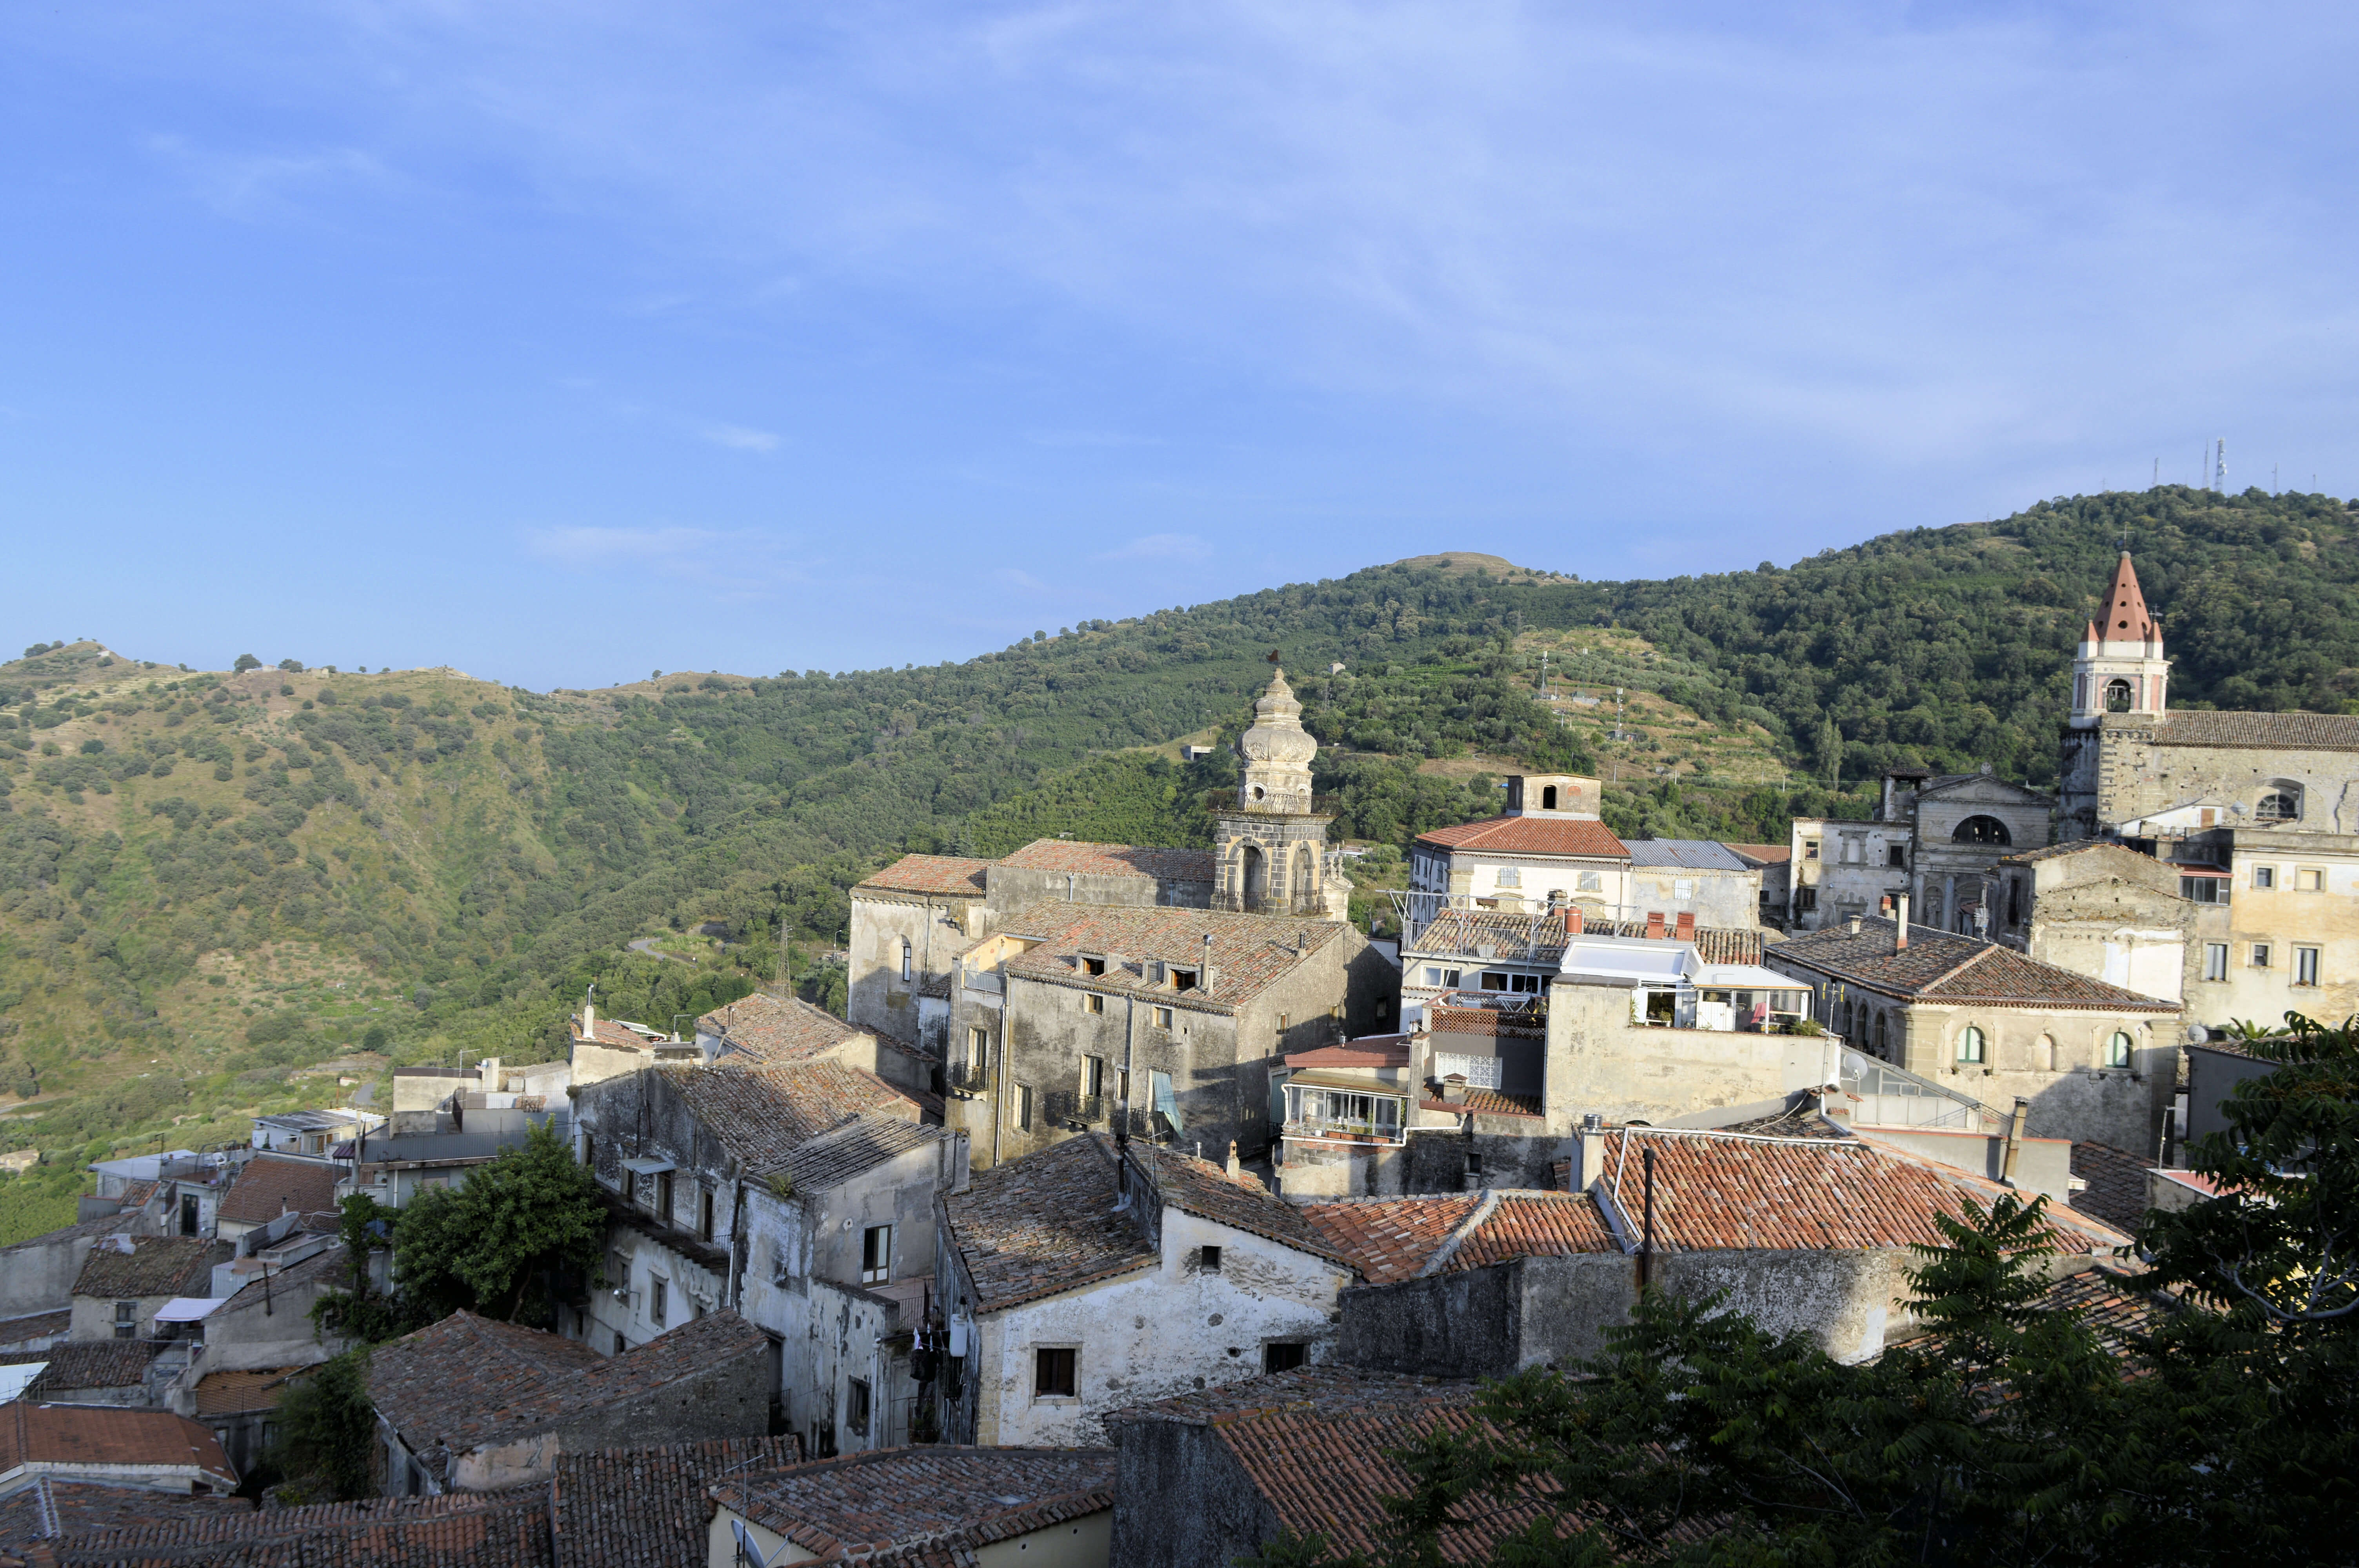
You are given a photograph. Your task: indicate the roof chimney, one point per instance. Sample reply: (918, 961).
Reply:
(1573, 920)
(1900, 930)
(1654, 925)
(589, 1016)
(1686, 927)
(1235, 1170)
(1591, 1167)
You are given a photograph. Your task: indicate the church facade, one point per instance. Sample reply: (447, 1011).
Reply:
(2256, 815)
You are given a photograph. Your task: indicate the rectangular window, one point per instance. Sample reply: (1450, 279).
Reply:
(2203, 890)
(877, 1254)
(1024, 1108)
(1510, 877)
(2309, 879)
(1897, 858)
(1209, 1259)
(1093, 965)
(978, 1046)
(1280, 1357)
(1810, 849)
(1433, 974)
(659, 1299)
(1092, 1002)
(2265, 876)
(704, 1214)
(127, 1315)
(1282, 1024)
(1183, 979)
(2260, 954)
(2305, 966)
(1684, 887)
(1162, 1016)
(1093, 1076)
(1053, 1373)
(663, 1195)
(855, 1407)
(1495, 979)
(2215, 960)
(619, 1273)
(1589, 882)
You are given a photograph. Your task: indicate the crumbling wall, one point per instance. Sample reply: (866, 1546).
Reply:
(1184, 1500)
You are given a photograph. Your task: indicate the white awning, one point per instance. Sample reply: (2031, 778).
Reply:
(190, 1309)
(649, 1167)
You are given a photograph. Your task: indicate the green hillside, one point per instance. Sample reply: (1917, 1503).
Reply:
(220, 891)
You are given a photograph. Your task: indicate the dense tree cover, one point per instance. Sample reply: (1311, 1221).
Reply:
(2007, 1434)
(484, 853)
(499, 1244)
(324, 1445)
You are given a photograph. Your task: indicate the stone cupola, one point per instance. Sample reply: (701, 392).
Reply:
(1278, 751)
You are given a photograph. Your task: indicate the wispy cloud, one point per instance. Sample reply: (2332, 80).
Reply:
(744, 562)
(741, 438)
(1161, 547)
(245, 184)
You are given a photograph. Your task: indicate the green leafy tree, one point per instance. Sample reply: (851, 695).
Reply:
(531, 1215)
(327, 1432)
(246, 662)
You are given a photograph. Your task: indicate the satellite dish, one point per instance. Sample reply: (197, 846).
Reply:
(746, 1549)
(2197, 1034)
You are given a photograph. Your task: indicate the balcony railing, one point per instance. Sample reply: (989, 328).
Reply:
(1884, 1095)
(967, 1078)
(1386, 1132)
(1068, 1110)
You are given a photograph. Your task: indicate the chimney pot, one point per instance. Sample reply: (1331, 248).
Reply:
(1573, 920)
(1900, 930)
(1454, 1088)
(1235, 1169)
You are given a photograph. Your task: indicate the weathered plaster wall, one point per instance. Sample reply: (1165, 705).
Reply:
(1181, 1500)
(877, 995)
(1166, 1330)
(1599, 1061)
(38, 1275)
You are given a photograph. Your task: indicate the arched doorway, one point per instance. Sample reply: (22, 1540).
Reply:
(1547, 798)
(1256, 877)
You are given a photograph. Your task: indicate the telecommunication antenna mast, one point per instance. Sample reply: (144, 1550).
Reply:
(2220, 468)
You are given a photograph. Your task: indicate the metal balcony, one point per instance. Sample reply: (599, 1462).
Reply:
(1066, 1109)
(967, 1078)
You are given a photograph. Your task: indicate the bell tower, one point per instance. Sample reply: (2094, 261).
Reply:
(1270, 848)
(2119, 666)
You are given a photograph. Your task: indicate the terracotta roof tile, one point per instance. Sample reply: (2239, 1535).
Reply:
(1532, 836)
(1111, 861)
(1043, 1223)
(51, 1510)
(860, 1144)
(155, 1265)
(647, 1507)
(778, 1030)
(1207, 1191)
(1716, 1190)
(1480, 1101)
(36, 1326)
(1317, 1444)
(460, 1529)
(1764, 854)
(764, 1115)
(91, 1436)
(1372, 1053)
(1249, 952)
(923, 1505)
(268, 1187)
(2261, 731)
(930, 873)
(86, 1364)
(1939, 966)
(468, 1381)
(1536, 937)
(1533, 1225)
(240, 1393)
(1389, 1239)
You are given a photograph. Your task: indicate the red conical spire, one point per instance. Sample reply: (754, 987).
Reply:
(2123, 618)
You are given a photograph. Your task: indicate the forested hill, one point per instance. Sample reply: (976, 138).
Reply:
(209, 880)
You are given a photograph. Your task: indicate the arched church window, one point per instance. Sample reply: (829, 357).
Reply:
(1982, 830)
(2278, 806)
(2117, 1050)
(2118, 698)
(1971, 1044)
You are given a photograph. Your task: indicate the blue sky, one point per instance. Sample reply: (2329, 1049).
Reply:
(562, 342)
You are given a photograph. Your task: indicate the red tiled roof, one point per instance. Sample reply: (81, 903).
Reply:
(778, 1030)
(923, 1505)
(1318, 1445)
(2260, 732)
(51, 1510)
(156, 1266)
(93, 1437)
(764, 1115)
(951, 874)
(239, 1393)
(1249, 952)
(268, 1187)
(1480, 1101)
(1532, 836)
(457, 1530)
(86, 1364)
(647, 1507)
(609, 1032)
(1939, 966)
(1715, 1190)
(1533, 1225)
(1371, 1051)
(468, 1381)
(1389, 1239)
(1207, 1191)
(1044, 1222)
(1767, 854)
(1536, 937)
(1111, 861)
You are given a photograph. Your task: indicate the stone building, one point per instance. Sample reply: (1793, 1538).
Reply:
(1075, 1013)
(125, 1280)
(2105, 910)
(2095, 1061)
(1270, 850)
(473, 1404)
(1044, 1508)
(801, 1197)
(1549, 848)
(1097, 1273)
(1936, 838)
(764, 1030)
(1708, 883)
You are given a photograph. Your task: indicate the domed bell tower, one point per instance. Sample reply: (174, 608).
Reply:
(1271, 848)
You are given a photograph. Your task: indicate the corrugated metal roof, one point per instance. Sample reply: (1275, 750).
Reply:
(1687, 854)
